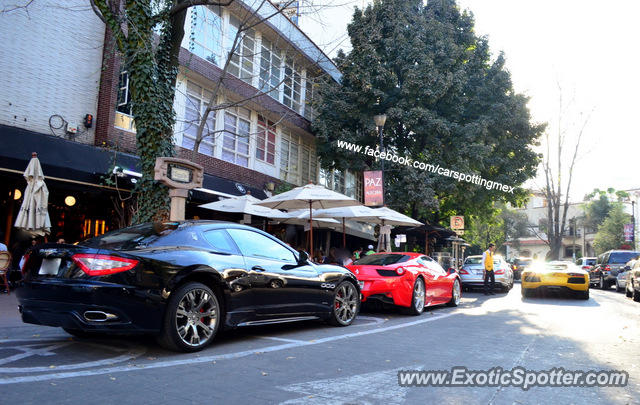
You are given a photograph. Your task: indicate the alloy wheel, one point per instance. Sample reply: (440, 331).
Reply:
(418, 295)
(196, 317)
(345, 303)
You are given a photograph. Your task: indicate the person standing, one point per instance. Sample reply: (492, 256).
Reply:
(487, 261)
(370, 251)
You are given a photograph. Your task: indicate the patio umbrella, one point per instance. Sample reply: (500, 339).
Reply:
(301, 217)
(355, 212)
(244, 205)
(391, 217)
(33, 216)
(308, 197)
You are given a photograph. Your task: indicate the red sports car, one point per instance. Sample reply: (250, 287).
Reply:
(406, 279)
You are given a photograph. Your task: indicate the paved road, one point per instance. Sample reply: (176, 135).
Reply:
(317, 364)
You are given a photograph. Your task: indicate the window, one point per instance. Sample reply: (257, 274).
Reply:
(196, 103)
(289, 155)
(308, 97)
(570, 250)
(350, 184)
(241, 64)
(124, 96)
(338, 181)
(292, 86)
(220, 241)
(309, 164)
(206, 34)
(266, 141)
(270, 69)
(257, 245)
(235, 142)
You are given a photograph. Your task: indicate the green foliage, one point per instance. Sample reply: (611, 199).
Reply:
(502, 225)
(149, 53)
(447, 103)
(600, 204)
(611, 232)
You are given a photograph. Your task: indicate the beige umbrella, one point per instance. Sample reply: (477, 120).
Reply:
(308, 197)
(356, 212)
(391, 217)
(33, 216)
(245, 204)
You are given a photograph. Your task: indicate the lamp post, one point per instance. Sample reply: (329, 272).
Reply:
(380, 119)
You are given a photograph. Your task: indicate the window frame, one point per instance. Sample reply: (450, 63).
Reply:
(236, 113)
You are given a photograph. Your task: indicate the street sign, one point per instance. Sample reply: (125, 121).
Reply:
(457, 222)
(459, 232)
(628, 232)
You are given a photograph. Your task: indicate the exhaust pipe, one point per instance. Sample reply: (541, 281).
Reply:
(99, 316)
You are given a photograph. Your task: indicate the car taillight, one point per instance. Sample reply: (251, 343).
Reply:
(400, 270)
(586, 267)
(463, 271)
(575, 274)
(500, 271)
(102, 265)
(25, 259)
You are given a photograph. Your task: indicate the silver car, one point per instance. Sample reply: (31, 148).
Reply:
(472, 273)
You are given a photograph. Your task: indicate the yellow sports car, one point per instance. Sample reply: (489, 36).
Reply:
(555, 276)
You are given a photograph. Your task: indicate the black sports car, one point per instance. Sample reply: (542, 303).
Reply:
(181, 281)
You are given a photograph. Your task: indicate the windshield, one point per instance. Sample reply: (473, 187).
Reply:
(473, 260)
(382, 260)
(134, 237)
(621, 257)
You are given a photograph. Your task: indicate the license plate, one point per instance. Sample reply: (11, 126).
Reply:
(361, 283)
(479, 273)
(49, 266)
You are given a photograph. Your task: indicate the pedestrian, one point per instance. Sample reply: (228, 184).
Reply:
(3, 247)
(332, 258)
(487, 260)
(357, 253)
(370, 251)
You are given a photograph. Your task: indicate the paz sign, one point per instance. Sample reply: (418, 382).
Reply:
(180, 176)
(457, 222)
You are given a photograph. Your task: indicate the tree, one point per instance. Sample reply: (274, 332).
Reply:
(503, 226)
(557, 189)
(611, 232)
(148, 35)
(447, 103)
(599, 204)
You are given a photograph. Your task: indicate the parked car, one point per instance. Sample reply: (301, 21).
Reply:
(607, 266)
(519, 265)
(586, 263)
(181, 281)
(632, 286)
(472, 273)
(555, 276)
(406, 279)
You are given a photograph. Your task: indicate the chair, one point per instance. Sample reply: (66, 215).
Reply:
(5, 263)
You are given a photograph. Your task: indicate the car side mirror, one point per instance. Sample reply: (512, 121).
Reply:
(303, 258)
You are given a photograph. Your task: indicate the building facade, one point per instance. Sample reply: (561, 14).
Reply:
(66, 96)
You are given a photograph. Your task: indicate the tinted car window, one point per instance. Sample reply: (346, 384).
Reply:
(589, 262)
(473, 260)
(382, 260)
(147, 235)
(256, 245)
(621, 257)
(220, 241)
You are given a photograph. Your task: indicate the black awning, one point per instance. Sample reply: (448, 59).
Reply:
(65, 159)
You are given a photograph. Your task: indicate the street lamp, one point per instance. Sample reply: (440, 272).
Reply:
(380, 119)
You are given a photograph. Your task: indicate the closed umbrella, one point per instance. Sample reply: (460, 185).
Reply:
(33, 216)
(355, 212)
(308, 197)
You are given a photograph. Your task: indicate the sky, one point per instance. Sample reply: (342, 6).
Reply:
(583, 49)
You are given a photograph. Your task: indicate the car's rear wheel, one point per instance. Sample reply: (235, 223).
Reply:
(455, 294)
(628, 291)
(601, 283)
(618, 288)
(417, 298)
(584, 295)
(346, 304)
(192, 318)
(526, 292)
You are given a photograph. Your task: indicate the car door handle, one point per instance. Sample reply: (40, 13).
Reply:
(257, 268)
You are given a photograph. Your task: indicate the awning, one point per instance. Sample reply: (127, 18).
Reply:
(65, 160)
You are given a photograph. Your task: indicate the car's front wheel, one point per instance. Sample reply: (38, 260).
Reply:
(628, 291)
(192, 318)
(346, 304)
(601, 283)
(526, 292)
(455, 294)
(417, 298)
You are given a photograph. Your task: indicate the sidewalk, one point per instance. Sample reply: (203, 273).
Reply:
(9, 316)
